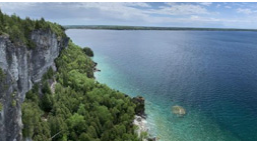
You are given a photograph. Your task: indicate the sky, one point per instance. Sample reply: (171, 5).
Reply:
(195, 14)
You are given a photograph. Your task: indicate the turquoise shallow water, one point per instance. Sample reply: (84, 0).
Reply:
(211, 74)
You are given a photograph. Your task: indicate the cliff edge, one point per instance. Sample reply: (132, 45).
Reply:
(21, 67)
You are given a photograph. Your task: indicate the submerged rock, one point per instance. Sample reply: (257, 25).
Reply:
(178, 110)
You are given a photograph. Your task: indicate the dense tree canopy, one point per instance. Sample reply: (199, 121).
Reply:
(88, 51)
(19, 30)
(80, 108)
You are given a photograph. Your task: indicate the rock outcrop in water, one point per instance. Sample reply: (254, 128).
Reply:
(140, 106)
(22, 67)
(178, 110)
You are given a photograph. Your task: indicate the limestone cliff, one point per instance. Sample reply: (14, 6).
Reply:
(22, 67)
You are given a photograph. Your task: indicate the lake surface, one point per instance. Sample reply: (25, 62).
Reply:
(212, 74)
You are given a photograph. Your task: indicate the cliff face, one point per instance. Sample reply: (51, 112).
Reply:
(23, 67)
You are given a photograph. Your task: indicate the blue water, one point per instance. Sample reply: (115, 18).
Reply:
(212, 74)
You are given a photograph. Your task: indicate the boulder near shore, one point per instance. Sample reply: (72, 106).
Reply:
(178, 110)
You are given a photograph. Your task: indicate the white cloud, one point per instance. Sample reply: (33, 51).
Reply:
(228, 7)
(119, 10)
(12, 6)
(139, 4)
(206, 3)
(171, 14)
(245, 11)
(179, 9)
(194, 17)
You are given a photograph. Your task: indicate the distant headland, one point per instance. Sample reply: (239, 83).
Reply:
(121, 27)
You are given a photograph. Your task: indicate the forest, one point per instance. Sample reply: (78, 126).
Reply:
(69, 104)
(79, 108)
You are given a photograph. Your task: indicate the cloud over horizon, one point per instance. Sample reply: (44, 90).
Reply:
(204, 14)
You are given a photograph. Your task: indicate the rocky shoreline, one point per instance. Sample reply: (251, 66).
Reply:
(140, 120)
(95, 69)
(140, 117)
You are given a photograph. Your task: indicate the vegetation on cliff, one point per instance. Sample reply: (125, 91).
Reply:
(2, 75)
(88, 51)
(68, 104)
(19, 30)
(80, 108)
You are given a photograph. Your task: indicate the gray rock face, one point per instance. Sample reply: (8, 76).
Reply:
(23, 67)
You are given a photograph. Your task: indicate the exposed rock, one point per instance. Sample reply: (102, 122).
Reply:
(140, 119)
(140, 106)
(23, 67)
(53, 86)
(140, 122)
(153, 139)
(95, 64)
(95, 69)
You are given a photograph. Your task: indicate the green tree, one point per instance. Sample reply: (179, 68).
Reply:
(92, 132)
(76, 123)
(47, 102)
(16, 35)
(88, 51)
(85, 137)
(31, 116)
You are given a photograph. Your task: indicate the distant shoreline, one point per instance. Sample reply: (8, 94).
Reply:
(110, 27)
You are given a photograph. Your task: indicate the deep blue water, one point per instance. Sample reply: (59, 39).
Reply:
(212, 74)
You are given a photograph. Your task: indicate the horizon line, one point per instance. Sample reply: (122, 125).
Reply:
(177, 27)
